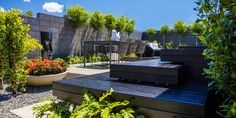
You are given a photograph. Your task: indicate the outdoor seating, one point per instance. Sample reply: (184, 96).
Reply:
(140, 49)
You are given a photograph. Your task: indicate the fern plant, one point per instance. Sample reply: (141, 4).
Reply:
(91, 107)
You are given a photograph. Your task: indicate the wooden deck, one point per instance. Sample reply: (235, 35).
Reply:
(187, 101)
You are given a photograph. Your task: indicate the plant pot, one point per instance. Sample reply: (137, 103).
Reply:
(44, 80)
(1, 84)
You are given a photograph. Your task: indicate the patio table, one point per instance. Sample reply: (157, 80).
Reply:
(101, 43)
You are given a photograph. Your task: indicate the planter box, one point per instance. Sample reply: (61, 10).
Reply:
(190, 57)
(152, 71)
(44, 79)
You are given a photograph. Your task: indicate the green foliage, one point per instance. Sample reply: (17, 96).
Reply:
(165, 29)
(14, 46)
(89, 108)
(228, 110)
(218, 17)
(75, 59)
(169, 45)
(78, 16)
(180, 27)
(151, 32)
(97, 21)
(28, 13)
(130, 27)
(121, 24)
(57, 109)
(110, 23)
(90, 59)
(197, 28)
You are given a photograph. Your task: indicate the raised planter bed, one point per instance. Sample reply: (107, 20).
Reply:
(152, 71)
(190, 57)
(44, 79)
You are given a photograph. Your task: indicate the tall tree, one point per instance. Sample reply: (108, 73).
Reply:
(97, 22)
(28, 13)
(110, 24)
(121, 23)
(180, 27)
(129, 28)
(151, 33)
(164, 30)
(196, 28)
(78, 17)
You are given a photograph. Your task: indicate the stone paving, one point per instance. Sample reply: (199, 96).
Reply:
(20, 106)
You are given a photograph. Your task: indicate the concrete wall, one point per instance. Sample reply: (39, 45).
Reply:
(66, 40)
(187, 38)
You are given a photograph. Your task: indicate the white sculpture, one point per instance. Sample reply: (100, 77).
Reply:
(115, 36)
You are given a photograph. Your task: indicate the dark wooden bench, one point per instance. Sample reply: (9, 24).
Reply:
(187, 101)
(149, 71)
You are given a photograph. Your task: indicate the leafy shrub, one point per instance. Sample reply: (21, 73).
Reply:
(75, 59)
(151, 32)
(15, 43)
(169, 45)
(218, 16)
(45, 67)
(89, 108)
(90, 59)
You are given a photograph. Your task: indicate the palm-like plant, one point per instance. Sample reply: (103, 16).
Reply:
(196, 28)
(164, 30)
(130, 27)
(180, 27)
(151, 32)
(110, 24)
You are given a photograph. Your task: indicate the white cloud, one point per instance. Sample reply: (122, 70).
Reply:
(53, 7)
(27, 0)
(2, 9)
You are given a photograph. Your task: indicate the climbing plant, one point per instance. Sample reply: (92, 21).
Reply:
(129, 28)
(15, 43)
(164, 30)
(218, 16)
(110, 24)
(180, 27)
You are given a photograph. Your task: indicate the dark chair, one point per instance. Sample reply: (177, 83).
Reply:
(140, 49)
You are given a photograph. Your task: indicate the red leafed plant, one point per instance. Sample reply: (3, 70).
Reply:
(46, 67)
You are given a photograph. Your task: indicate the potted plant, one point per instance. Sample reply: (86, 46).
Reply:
(44, 72)
(151, 33)
(180, 27)
(164, 30)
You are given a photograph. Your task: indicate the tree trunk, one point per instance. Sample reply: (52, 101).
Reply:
(1, 84)
(196, 40)
(163, 41)
(179, 39)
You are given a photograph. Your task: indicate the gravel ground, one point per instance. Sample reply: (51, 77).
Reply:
(9, 102)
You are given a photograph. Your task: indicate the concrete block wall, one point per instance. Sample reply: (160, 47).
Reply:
(187, 38)
(65, 40)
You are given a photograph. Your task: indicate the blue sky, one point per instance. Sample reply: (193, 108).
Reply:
(147, 13)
